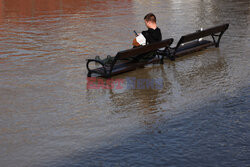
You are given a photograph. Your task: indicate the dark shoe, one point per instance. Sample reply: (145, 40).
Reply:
(108, 60)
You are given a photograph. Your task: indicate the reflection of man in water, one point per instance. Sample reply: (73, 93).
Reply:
(153, 34)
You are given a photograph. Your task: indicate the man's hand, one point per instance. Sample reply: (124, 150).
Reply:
(135, 43)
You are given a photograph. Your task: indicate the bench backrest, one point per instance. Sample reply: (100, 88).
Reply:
(203, 33)
(143, 49)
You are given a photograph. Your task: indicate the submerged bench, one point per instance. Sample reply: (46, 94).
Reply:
(193, 42)
(122, 61)
(187, 44)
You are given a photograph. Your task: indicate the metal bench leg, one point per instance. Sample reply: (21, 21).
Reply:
(217, 42)
(89, 74)
(172, 57)
(161, 61)
(169, 53)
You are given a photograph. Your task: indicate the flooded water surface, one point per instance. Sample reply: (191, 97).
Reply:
(197, 116)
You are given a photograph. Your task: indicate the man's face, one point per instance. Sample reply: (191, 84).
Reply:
(147, 23)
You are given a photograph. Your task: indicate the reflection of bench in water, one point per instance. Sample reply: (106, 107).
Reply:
(187, 44)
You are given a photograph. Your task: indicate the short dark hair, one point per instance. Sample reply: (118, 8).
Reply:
(150, 17)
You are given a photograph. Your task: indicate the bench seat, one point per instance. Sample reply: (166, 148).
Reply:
(190, 42)
(123, 67)
(120, 64)
(192, 47)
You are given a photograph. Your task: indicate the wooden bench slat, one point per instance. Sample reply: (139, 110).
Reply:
(143, 49)
(192, 47)
(121, 68)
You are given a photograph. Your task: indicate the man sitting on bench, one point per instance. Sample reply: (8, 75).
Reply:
(153, 34)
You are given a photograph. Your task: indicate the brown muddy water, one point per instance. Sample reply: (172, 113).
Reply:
(199, 116)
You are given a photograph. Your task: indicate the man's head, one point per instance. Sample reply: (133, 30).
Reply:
(150, 20)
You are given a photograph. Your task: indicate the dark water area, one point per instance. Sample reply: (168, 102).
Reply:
(199, 116)
(211, 135)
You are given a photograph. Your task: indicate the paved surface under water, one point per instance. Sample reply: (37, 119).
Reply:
(48, 117)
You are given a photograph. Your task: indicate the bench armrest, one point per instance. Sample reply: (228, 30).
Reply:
(96, 61)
